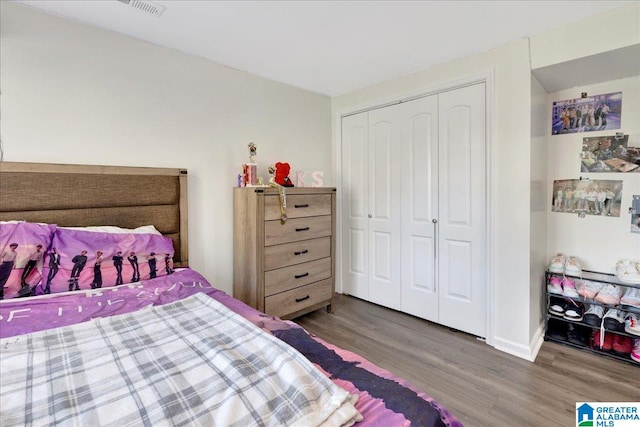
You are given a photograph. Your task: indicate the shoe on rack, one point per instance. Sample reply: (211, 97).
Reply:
(578, 335)
(594, 314)
(588, 289)
(569, 288)
(632, 324)
(573, 311)
(613, 320)
(610, 294)
(557, 329)
(572, 267)
(602, 340)
(628, 271)
(621, 344)
(555, 285)
(557, 263)
(556, 306)
(635, 351)
(631, 297)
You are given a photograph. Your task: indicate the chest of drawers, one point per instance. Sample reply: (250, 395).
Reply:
(284, 269)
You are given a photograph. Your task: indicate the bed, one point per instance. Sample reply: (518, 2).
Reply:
(164, 346)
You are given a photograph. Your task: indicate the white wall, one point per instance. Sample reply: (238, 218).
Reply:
(614, 29)
(538, 227)
(71, 93)
(597, 241)
(510, 171)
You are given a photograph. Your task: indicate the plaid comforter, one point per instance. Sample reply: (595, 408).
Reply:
(190, 362)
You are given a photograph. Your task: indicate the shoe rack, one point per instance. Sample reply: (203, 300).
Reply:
(568, 331)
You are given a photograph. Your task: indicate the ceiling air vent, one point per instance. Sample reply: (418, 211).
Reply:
(145, 6)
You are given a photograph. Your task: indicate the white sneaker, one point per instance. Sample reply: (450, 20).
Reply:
(628, 271)
(588, 289)
(593, 315)
(557, 263)
(572, 267)
(632, 324)
(631, 297)
(610, 294)
(613, 320)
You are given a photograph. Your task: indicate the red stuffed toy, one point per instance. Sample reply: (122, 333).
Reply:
(282, 174)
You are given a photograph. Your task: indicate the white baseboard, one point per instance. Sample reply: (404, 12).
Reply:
(522, 351)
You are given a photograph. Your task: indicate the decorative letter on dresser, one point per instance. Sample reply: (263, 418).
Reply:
(285, 269)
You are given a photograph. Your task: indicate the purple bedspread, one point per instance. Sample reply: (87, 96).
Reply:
(384, 399)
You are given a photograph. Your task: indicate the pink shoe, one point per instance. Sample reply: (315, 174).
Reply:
(569, 288)
(635, 352)
(555, 285)
(588, 289)
(610, 295)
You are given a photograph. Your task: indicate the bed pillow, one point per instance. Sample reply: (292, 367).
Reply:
(82, 259)
(144, 229)
(23, 246)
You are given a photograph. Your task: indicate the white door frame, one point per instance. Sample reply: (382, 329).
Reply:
(488, 79)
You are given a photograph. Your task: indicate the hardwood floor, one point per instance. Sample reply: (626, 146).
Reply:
(482, 386)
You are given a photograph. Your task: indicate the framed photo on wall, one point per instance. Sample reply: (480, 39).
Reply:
(589, 114)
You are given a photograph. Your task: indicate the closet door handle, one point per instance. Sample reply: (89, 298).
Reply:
(302, 229)
(306, 205)
(435, 240)
(299, 276)
(300, 252)
(302, 299)
(435, 253)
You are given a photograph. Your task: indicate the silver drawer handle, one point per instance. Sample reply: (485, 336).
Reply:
(300, 252)
(302, 299)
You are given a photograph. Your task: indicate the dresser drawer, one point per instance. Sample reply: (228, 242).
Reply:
(296, 229)
(298, 206)
(278, 256)
(297, 299)
(284, 279)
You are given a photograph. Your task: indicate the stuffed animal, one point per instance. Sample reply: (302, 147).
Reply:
(282, 174)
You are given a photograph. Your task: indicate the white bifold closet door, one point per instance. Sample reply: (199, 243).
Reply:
(414, 207)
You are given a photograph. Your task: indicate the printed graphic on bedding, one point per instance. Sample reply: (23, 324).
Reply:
(22, 249)
(90, 260)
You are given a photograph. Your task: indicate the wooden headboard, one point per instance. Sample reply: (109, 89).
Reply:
(85, 195)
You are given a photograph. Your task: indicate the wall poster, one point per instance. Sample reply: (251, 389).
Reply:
(635, 214)
(589, 114)
(587, 197)
(610, 153)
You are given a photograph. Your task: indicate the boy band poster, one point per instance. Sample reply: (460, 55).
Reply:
(588, 114)
(587, 197)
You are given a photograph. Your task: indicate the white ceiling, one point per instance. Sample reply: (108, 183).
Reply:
(329, 47)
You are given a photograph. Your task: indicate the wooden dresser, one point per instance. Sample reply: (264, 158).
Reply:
(285, 270)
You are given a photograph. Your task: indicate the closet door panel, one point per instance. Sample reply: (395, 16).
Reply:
(384, 196)
(462, 209)
(458, 257)
(419, 150)
(457, 153)
(355, 208)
